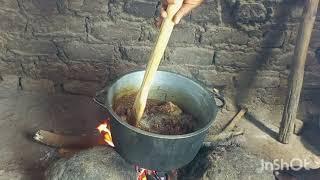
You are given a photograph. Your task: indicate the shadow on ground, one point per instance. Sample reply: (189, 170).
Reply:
(263, 127)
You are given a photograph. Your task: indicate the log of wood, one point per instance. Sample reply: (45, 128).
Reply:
(297, 71)
(227, 132)
(222, 139)
(67, 141)
(235, 120)
(224, 135)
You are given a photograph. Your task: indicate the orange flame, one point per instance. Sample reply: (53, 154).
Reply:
(105, 131)
(142, 175)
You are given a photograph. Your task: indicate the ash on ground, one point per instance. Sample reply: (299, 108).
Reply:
(225, 160)
(98, 163)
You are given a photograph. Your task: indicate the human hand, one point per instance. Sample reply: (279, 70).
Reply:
(186, 7)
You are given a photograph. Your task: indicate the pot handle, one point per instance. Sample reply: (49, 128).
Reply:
(99, 98)
(216, 95)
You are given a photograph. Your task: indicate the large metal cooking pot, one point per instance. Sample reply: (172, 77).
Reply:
(155, 151)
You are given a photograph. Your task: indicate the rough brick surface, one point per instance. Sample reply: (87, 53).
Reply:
(252, 79)
(149, 33)
(92, 52)
(12, 21)
(86, 6)
(273, 39)
(311, 80)
(37, 85)
(141, 8)
(315, 38)
(184, 33)
(9, 5)
(264, 79)
(208, 12)
(31, 47)
(44, 7)
(8, 67)
(219, 35)
(57, 25)
(81, 87)
(237, 59)
(110, 32)
(138, 54)
(230, 43)
(54, 71)
(297, 11)
(87, 71)
(214, 78)
(176, 68)
(191, 55)
(250, 13)
(273, 96)
(313, 60)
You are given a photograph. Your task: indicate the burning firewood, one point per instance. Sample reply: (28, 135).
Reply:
(69, 145)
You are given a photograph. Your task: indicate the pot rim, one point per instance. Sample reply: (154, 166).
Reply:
(161, 136)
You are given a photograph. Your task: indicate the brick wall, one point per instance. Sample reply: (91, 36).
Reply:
(239, 46)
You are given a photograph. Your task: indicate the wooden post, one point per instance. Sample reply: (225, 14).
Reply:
(297, 71)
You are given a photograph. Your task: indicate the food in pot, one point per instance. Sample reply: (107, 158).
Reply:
(159, 117)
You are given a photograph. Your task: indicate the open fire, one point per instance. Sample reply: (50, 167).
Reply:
(142, 174)
(104, 129)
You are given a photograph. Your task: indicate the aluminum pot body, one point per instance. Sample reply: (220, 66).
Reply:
(155, 151)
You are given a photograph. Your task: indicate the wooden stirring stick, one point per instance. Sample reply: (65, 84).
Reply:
(155, 58)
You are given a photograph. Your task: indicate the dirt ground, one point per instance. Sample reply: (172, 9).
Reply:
(261, 139)
(22, 112)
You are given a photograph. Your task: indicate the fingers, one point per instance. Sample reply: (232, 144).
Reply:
(163, 12)
(158, 22)
(165, 3)
(164, 7)
(170, 1)
(186, 7)
(184, 10)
